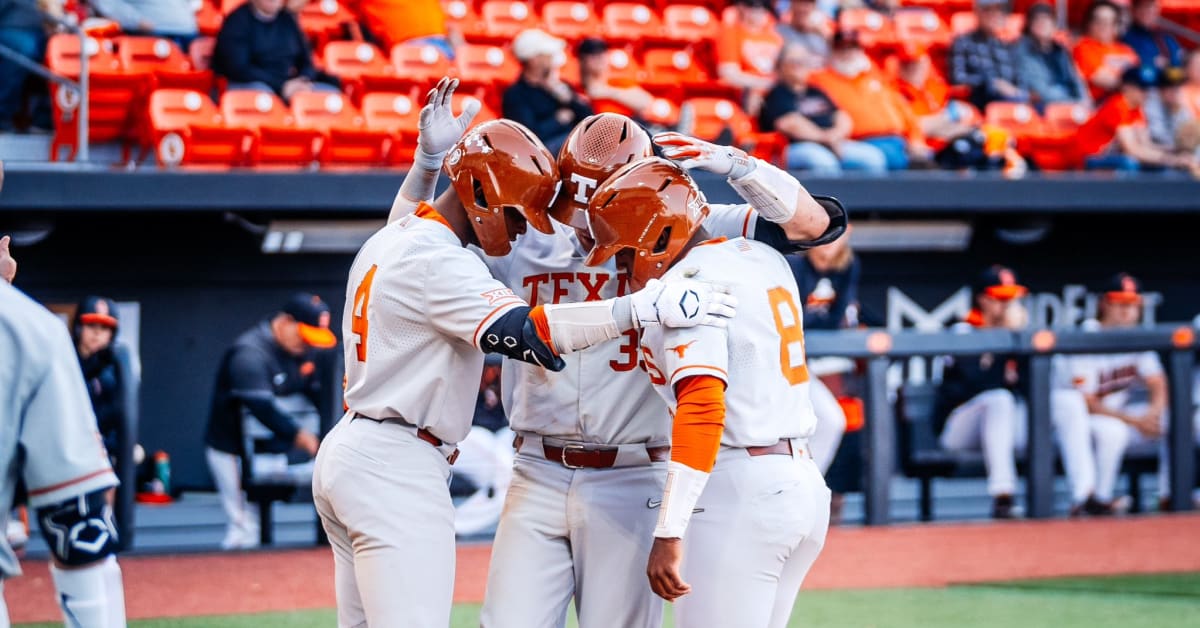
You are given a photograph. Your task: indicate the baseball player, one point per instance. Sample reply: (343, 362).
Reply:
(48, 440)
(741, 482)
(592, 439)
(1110, 383)
(420, 311)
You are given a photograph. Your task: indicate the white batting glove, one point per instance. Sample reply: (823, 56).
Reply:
(438, 127)
(682, 303)
(693, 153)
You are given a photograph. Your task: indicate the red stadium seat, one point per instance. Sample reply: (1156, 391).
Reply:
(188, 129)
(420, 67)
(276, 138)
(571, 21)
(1065, 117)
(875, 30)
(1018, 118)
(503, 19)
(629, 23)
(922, 26)
(324, 21)
(347, 138)
(112, 91)
(690, 23)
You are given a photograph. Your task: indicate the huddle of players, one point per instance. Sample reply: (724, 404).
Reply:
(627, 267)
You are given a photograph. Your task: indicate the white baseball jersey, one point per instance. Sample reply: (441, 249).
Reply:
(1113, 376)
(417, 304)
(760, 356)
(600, 397)
(45, 413)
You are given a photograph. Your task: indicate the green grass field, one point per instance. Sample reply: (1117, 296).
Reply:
(1153, 601)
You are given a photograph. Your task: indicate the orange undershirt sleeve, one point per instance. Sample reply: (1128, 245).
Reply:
(542, 326)
(699, 421)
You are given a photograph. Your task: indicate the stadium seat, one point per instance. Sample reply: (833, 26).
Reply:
(201, 52)
(360, 66)
(163, 60)
(397, 115)
(1018, 118)
(324, 21)
(188, 129)
(1065, 117)
(462, 16)
(571, 21)
(208, 18)
(485, 70)
(631, 24)
(347, 140)
(875, 31)
(276, 138)
(672, 73)
(964, 22)
(112, 90)
(723, 120)
(419, 67)
(922, 26)
(690, 24)
(503, 19)
(623, 69)
(661, 112)
(228, 6)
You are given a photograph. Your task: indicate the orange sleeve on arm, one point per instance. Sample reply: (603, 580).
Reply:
(699, 421)
(542, 325)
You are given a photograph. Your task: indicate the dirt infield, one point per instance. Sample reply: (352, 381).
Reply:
(900, 556)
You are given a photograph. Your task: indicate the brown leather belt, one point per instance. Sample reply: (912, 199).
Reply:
(782, 447)
(422, 434)
(577, 456)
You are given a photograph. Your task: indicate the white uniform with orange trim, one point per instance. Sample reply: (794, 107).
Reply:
(761, 520)
(45, 414)
(416, 304)
(582, 533)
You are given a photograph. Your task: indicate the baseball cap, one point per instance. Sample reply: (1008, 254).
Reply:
(535, 41)
(1123, 288)
(97, 311)
(313, 315)
(1139, 76)
(999, 282)
(591, 46)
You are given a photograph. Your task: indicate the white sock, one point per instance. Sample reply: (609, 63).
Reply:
(115, 588)
(3, 608)
(82, 595)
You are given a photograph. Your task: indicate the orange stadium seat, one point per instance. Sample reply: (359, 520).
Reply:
(485, 70)
(623, 69)
(112, 90)
(723, 119)
(629, 23)
(874, 29)
(690, 23)
(965, 22)
(276, 138)
(360, 66)
(347, 139)
(503, 19)
(208, 18)
(672, 73)
(188, 129)
(922, 26)
(1065, 117)
(462, 16)
(571, 21)
(163, 60)
(1019, 118)
(324, 21)
(419, 67)
(397, 115)
(662, 112)
(569, 72)
(201, 52)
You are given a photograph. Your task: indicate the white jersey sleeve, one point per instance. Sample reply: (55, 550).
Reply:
(462, 298)
(701, 350)
(1148, 364)
(731, 221)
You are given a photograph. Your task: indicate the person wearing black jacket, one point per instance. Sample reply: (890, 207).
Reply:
(540, 99)
(94, 330)
(260, 46)
(273, 361)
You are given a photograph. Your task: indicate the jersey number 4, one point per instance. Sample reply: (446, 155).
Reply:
(358, 316)
(791, 332)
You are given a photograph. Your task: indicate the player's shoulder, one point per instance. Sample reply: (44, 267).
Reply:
(27, 322)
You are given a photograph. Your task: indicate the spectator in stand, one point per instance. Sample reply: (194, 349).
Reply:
(1046, 64)
(170, 19)
(747, 51)
(983, 62)
(1116, 136)
(879, 114)
(540, 99)
(1099, 55)
(594, 78)
(1191, 85)
(1157, 49)
(928, 94)
(1168, 116)
(808, 27)
(819, 132)
(21, 29)
(417, 22)
(265, 375)
(261, 47)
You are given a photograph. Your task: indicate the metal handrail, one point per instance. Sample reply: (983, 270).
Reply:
(81, 87)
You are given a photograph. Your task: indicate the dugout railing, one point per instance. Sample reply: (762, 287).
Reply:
(879, 349)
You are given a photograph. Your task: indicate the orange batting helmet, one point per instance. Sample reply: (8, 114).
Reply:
(596, 148)
(498, 165)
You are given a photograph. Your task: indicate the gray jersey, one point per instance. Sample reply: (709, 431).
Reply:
(48, 434)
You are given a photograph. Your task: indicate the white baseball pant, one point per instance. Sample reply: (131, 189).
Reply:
(582, 533)
(1114, 437)
(242, 529)
(757, 530)
(998, 422)
(383, 497)
(831, 424)
(486, 459)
